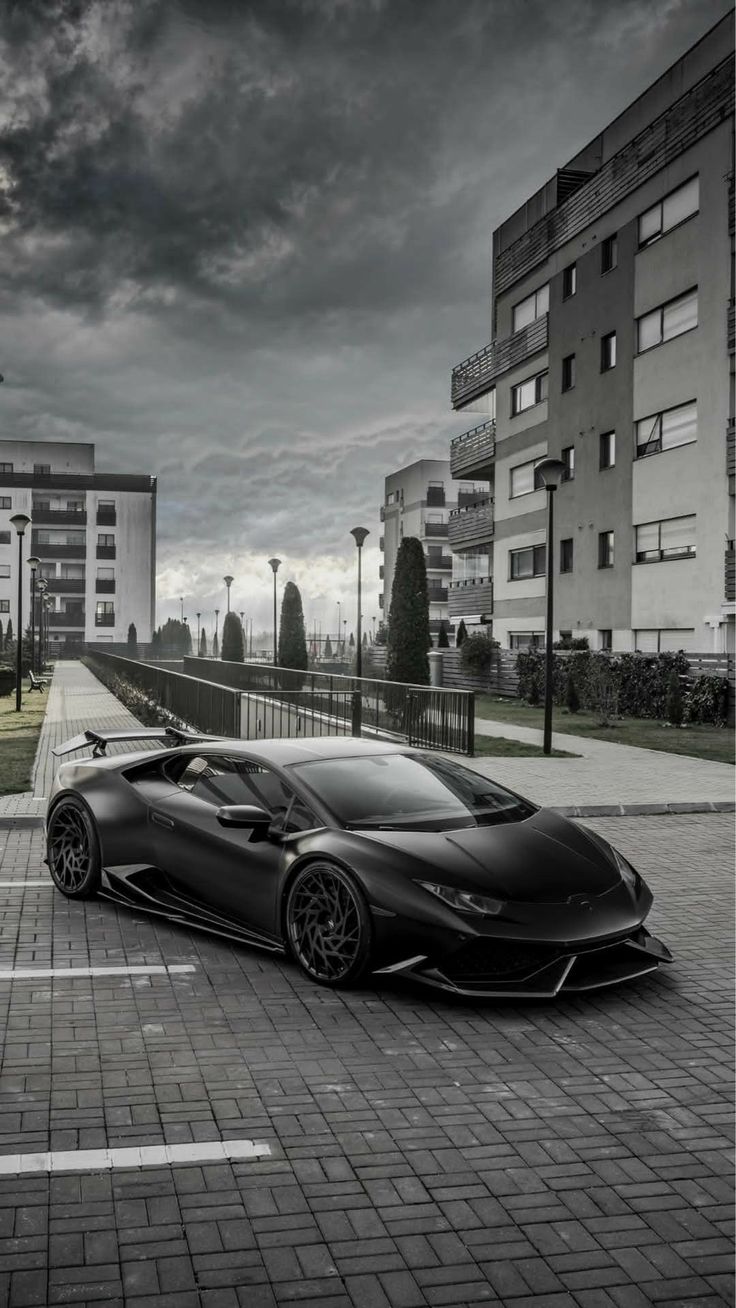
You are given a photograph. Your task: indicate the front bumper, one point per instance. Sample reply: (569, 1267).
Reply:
(537, 972)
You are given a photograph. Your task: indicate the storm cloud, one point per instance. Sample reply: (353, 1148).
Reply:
(244, 242)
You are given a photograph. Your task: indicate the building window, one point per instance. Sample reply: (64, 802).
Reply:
(568, 459)
(105, 574)
(527, 562)
(4, 537)
(523, 479)
(528, 393)
(530, 308)
(672, 539)
(4, 606)
(436, 493)
(526, 639)
(6, 469)
(653, 641)
(568, 372)
(41, 469)
(664, 431)
(105, 613)
(669, 212)
(390, 497)
(605, 549)
(605, 637)
(609, 253)
(4, 569)
(667, 321)
(606, 449)
(566, 555)
(105, 539)
(5, 502)
(569, 280)
(608, 352)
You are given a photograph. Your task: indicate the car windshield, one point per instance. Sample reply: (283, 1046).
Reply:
(409, 792)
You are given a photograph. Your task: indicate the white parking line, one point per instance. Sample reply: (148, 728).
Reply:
(103, 1160)
(146, 969)
(14, 885)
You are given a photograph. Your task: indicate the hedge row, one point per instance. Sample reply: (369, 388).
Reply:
(624, 685)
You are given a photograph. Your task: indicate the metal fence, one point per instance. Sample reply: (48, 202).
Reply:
(427, 716)
(208, 705)
(267, 717)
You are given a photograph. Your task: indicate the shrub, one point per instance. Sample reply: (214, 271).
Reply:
(232, 639)
(9, 635)
(707, 700)
(292, 639)
(674, 708)
(460, 634)
(476, 654)
(408, 622)
(382, 635)
(327, 651)
(132, 649)
(443, 639)
(572, 699)
(203, 644)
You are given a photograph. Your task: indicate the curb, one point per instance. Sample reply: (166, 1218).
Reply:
(645, 810)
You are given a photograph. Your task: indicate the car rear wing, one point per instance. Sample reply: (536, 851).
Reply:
(101, 739)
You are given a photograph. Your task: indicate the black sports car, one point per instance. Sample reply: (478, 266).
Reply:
(353, 856)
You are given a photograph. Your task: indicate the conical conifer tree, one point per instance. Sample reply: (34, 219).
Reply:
(292, 637)
(232, 639)
(408, 619)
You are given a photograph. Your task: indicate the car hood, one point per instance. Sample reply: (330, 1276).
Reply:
(544, 859)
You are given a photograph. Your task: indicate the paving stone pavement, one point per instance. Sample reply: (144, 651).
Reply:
(425, 1151)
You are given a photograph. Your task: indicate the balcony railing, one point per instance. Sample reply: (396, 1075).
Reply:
(106, 517)
(58, 551)
(73, 618)
(65, 585)
(731, 452)
(58, 517)
(730, 572)
(437, 594)
(435, 497)
(472, 526)
(472, 596)
(731, 326)
(438, 562)
(105, 587)
(104, 619)
(476, 375)
(381, 543)
(381, 572)
(435, 528)
(696, 113)
(106, 551)
(474, 450)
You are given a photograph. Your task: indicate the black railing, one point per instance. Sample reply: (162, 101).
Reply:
(65, 585)
(475, 375)
(67, 618)
(203, 704)
(104, 619)
(58, 517)
(104, 587)
(106, 517)
(267, 717)
(426, 716)
(47, 551)
(106, 551)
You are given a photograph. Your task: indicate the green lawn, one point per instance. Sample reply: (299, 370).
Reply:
(499, 745)
(19, 734)
(716, 743)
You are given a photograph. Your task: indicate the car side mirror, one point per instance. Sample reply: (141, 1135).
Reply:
(245, 816)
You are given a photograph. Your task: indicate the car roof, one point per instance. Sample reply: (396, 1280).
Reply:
(286, 750)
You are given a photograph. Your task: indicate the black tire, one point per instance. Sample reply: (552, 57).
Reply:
(328, 926)
(73, 849)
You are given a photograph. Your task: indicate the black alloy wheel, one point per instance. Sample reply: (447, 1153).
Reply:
(73, 850)
(328, 925)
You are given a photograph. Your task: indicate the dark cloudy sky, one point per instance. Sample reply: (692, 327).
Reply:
(245, 241)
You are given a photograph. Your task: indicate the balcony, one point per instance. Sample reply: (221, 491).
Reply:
(58, 517)
(104, 619)
(731, 455)
(58, 551)
(380, 601)
(435, 497)
(472, 527)
(731, 327)
(435, 528)
(105, 587)
(439, 562)
(476, 375)
(70, 618)
(65, 585)
(381, 543)
(105, 551)
(437, 594)
(708, 103)
(472, 596)
(106, 518)
(730, 573)
(382, 513)
(381, 572)
(471, 453)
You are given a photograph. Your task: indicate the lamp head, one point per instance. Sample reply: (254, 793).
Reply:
(20, 521)
(274, 565)
(228, 581)
(41, 585)
(33, 563)
(551, 472)
(359, 533)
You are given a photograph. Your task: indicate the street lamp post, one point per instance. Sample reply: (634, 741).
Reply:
(274, 565)
(33, 564)
(47, 606)
(217, 628)
(359, 534)
(181, 601)
(20, 521)
(41, 587)
(550, 470)
(198, 617)
(228, 582)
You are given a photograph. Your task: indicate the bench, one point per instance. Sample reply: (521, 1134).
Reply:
(37, 683)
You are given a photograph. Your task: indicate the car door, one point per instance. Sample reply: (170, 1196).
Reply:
(223, 866)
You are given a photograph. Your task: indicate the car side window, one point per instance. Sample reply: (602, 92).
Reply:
(219, 780)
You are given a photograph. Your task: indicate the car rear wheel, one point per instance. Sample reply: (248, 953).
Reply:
(73, 850)
(328, 925)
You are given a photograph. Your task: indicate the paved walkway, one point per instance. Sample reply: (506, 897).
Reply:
(604, 777)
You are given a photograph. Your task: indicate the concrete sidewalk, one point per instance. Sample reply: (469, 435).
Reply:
(606, 777)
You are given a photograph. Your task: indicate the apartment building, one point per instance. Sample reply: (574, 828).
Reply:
(613, 350)
(94, 534)
(422, 500)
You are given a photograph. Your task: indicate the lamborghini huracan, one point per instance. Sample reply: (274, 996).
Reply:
(354, 858)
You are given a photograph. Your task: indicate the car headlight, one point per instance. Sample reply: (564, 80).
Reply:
(628, 873)
(467, 901)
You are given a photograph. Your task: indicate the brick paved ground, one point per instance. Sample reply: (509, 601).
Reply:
(424, 1151)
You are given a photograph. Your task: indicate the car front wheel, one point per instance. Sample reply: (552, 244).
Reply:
(328, 925)
(73, 849)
